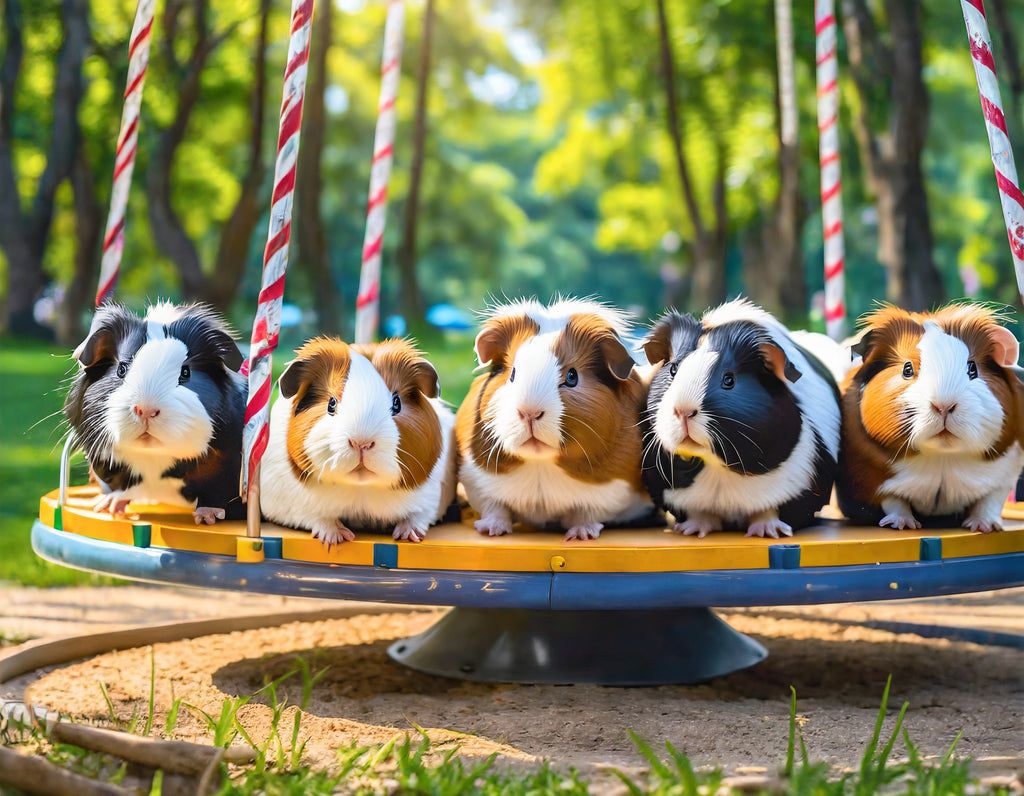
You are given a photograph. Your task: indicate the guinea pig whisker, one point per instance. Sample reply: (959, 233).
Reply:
(570, 436)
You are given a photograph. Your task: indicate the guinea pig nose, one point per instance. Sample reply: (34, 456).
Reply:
(145, 412)
(529, 415)
(361, 445)
(943, 409)
(685, 411)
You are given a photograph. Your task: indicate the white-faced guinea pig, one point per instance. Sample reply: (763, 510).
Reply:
(158, 404)
(932, 420)
(359, 440)
(742, 424)
(549, 434)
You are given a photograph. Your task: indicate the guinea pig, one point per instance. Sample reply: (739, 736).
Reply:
(932, 420)
(742, 424)
(158, 404)
(359, 440)
(550, 432)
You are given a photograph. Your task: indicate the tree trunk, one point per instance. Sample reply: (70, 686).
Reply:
(411, 297)
(892, 147)
(89, 231)
(706, 250)
(236, 235)
(311, 247)
(773, 266)
(22, 237)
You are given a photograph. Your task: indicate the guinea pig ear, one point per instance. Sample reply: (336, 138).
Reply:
(425, 378)
(779, 363)
(658, 343)
(233, 358)
(97, 347)
(1005, 348)
(490, 345)
(293, 377)
(620, 363)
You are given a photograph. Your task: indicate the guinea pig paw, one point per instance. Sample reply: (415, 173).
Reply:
(112, 503)
(770, 527)
(978, 524)
(207, 514)
(493, 526)
(332, 532)
(696, 526)
(900, 522)
(406, 530)
(584, 532)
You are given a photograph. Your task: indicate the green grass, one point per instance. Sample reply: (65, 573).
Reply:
(32, 385)
(414, 766)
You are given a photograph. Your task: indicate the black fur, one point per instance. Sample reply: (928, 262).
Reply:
(116, 337)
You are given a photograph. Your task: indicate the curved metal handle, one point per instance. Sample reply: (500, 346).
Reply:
(70, 446)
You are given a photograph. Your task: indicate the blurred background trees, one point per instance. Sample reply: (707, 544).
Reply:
(627, 149)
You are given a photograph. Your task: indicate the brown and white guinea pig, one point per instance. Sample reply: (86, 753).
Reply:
(932, 420)
(158, 405)
(358, 440)
(742, 424)
(549, 434)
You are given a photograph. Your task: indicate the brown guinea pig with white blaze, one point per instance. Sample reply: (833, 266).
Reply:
(359, 440)
(932, 420)
(550, 433)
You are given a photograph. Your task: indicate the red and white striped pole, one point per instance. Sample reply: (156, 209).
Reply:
(828, 154)
(127, 141)
(1010, 195)
(368, 299)
(266, 326)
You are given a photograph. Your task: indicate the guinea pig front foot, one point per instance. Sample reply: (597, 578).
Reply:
(980, 524)
(898, 515)
(583, 531)
(493, 526)
(408, 530)
(207, 514)
(768, 524)
(331, 532)
(114, 503)
(698, 524)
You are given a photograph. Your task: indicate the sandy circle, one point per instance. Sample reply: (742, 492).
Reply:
(738, 722)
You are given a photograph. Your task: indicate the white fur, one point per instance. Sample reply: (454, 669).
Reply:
(555, 317)
(977, 420)
(540, 491)
(535, 389)
(686, 393)
(334, 492)
(150, 445)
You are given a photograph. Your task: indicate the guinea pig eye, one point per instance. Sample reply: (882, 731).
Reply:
(332, 405)
(512, 375)
(396, 404)
(185, 375)
(972, 369)
(908, 370)
(673, 369)
(728, 381)
(122, 369)
(572, 378)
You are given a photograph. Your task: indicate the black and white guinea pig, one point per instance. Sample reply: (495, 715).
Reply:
(359, 440)
(550, 433)
(742, 424)
(158, 405)
(933, 420)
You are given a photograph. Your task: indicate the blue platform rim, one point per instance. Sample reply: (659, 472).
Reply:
(571, 591)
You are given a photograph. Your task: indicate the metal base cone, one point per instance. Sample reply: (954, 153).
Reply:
(623, 648)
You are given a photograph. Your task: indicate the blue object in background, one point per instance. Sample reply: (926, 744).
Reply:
(446, 316)
(291, 315)
(394, 326)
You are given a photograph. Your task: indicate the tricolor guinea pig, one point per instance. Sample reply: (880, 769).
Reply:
(158, 405)
(742, 424)
(549, 434)
(932, 420)
(358, 440)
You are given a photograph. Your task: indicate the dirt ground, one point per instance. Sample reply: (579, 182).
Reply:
(837, 663)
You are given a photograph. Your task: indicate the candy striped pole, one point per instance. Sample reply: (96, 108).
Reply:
(1010, 194)
(127, 141)
(267, 323)
(828, 153)
(368, 299)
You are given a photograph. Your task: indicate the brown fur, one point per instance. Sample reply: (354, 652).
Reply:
(875, 431)
(406, 372)
(321, 370)
(600, 425)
